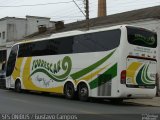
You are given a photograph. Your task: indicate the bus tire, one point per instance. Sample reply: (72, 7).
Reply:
(83, 92)
(69, 91)
(18, 86)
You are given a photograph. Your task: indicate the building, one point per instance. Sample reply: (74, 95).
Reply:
(13, 29)
(33, 23)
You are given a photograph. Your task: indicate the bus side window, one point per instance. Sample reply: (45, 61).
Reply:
(83, 43)
(106, 40)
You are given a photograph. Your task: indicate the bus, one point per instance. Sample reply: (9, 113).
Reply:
(117, 63)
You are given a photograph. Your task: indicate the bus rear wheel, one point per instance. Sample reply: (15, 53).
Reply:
(18, 86)
(83, 92)
(69, 91)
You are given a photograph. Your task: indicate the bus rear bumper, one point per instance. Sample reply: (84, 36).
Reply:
(138, 93)
(128, 93)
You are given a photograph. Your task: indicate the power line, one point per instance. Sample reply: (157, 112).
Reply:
(79, 8)
(38, 4)
(69, 11)
(7, 2)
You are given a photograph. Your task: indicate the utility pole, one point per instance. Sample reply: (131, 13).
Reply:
(86, 4)
(86, 13)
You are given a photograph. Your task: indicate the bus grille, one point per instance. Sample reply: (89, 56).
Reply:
(104, 82)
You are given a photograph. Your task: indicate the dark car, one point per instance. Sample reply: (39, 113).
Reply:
(3, 76)
(2, 79)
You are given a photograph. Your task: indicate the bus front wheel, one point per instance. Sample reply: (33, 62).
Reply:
(18, 86)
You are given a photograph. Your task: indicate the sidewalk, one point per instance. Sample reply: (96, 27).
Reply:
(151, 102)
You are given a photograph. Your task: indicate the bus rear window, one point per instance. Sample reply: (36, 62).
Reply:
(141, 37)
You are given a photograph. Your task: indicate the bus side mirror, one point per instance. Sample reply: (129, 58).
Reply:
(3, 65)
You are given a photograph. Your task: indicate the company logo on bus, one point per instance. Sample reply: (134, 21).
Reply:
(58, 71)
(147, 40)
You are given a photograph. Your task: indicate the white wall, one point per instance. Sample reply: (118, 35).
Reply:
(3, 28)
(34, 22)
(51, 24)
(16, 29)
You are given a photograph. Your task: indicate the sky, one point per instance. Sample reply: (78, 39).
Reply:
(67, 10)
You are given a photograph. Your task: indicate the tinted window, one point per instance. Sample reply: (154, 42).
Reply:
(11, 60)
(83, 43)
(142, 37)
(24, 50)
(106, 40)
(46, 47)
(93, 42)
(63, 45)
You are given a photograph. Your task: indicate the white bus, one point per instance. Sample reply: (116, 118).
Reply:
(116, 62)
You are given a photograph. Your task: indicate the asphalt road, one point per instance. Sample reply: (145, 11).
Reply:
(11, 102)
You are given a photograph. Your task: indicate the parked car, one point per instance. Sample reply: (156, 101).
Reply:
(2, 79)
(3, 76)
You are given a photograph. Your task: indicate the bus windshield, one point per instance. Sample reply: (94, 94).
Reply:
(141, 37)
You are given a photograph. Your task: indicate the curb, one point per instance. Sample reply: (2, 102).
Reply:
(155, 102)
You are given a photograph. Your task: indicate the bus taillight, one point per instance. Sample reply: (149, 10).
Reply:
(123, 77)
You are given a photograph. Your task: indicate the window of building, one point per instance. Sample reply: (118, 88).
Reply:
(3, 35)
(0, 35)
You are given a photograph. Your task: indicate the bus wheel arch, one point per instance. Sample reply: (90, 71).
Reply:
(18, 87)
(83, 91)
(69, 90)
